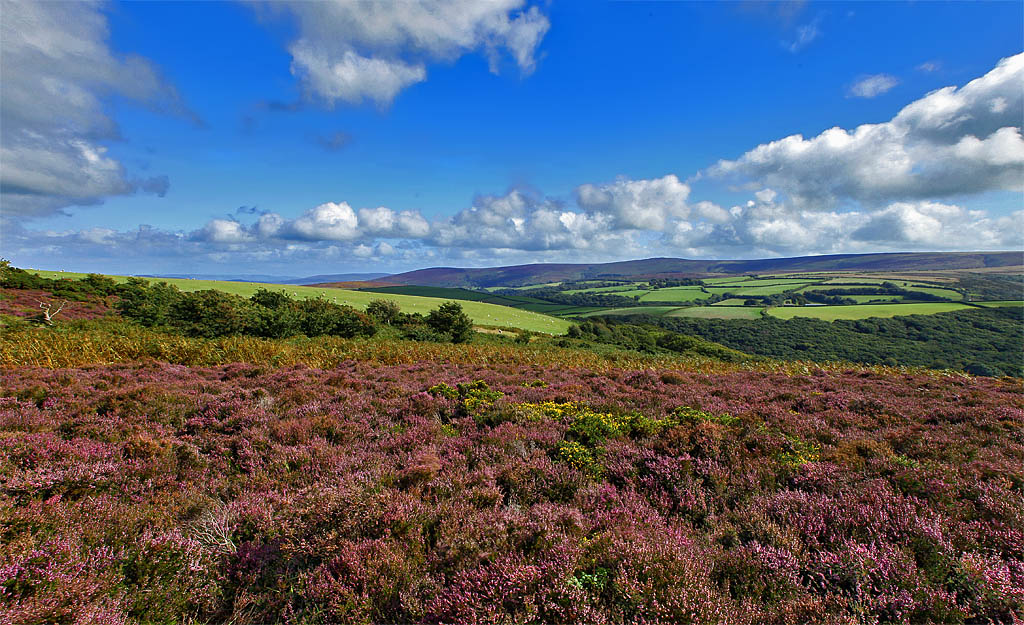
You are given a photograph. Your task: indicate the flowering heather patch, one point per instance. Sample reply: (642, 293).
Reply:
(22, 303)
(158, 493)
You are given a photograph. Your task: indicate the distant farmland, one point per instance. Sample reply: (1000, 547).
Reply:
(864, 311)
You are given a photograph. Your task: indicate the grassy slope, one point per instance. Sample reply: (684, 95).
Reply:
(481, 313)
(1017, 303)
(675, 294)
(632, 310)
(719, 312)
(863, 311)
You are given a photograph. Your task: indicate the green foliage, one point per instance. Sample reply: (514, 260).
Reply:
(449, 319)
(274, 300)
(987, 340)
(474, 399)
(209, 314)
(477, 396)
(686, 414)
(213, 314)
(580, 457)
(148, 304)
(384, 310)
(443, 390)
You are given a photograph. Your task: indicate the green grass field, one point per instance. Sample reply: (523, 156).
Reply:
(632, 310)
(718, 312)
(947, 293)
(864, 311)
(481, 313)
(717, 281)
(732, 301)
(864, 299)
(603, 289)
(1002, 303)
(741, 290)
(521, 288)
(675, 294)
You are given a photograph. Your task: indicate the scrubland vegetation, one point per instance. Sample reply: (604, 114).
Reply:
(302, 468)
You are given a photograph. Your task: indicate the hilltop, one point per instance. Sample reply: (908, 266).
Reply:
(650, 268)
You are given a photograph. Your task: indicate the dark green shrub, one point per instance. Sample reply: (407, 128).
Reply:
(449, 319)
(210, 314)
(384, 310)
(146, 304)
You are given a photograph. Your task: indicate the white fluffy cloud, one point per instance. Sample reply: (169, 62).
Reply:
(954, 141)
(518, 221)
(637, 204)
(871, 86)
(351, 50)
(57, 67)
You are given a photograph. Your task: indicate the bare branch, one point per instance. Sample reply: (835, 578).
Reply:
(49, 314)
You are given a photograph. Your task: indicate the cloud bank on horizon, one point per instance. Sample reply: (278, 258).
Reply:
(902, 184)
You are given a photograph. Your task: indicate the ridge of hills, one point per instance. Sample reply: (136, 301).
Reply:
(519, 275)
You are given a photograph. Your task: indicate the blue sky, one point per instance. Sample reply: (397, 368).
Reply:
(328, 137)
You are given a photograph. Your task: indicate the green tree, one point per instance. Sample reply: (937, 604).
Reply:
(384, 310)
(448, 318)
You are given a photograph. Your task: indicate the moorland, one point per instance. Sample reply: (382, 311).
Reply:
(246, 455)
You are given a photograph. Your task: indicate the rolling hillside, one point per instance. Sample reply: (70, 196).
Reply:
(480, 312)
(678, 267)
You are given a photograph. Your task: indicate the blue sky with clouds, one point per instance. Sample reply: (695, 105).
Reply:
(298, 138)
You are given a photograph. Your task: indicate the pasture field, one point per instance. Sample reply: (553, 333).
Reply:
(480, 312)
(1002, 304)
(864, 299)
(949, 293)
(732, 301)
(522, 288)
(719, 312)
(604, 289)
(864, 311)
(741, 290)
(631, 310)
(675, 294)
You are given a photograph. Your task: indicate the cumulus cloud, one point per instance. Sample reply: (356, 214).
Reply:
(953, 141)
(765, 228)
(57, 68)
(354, 51)
(935, 225)
(637, 204)
(519, 221)
(871, 86)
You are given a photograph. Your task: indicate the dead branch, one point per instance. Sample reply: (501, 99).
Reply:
(49, 314)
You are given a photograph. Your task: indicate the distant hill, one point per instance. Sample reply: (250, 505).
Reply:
(336, 277)
(520, 275)
(243, 277)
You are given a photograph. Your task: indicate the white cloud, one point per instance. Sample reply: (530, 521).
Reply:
(518, 221)
(353, 51)
(934, 225)
(330, 221)
(929, 67)
(352, 77)
(871, 86)
(804, 36)
(950, 142)
(637, 204)
(225, 231)
(57, 67)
